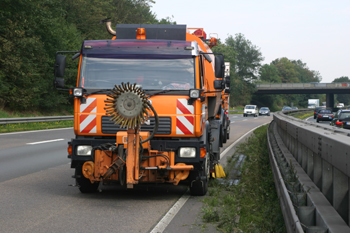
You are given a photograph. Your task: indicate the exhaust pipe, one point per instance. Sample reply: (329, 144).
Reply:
(108, 26)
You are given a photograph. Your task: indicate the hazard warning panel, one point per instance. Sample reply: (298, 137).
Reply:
(87, 121)
(184, 124)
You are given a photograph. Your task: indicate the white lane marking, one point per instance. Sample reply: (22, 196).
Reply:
(232, 122)
(34, 131)
(164, 222)
(307, 119)
(54, 140)
(245, 120)
(235, 142)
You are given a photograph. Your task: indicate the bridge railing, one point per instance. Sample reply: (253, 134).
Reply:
(312, 178)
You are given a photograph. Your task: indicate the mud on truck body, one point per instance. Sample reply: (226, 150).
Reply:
(145, 107)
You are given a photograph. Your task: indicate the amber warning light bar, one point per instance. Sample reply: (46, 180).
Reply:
(141, 34)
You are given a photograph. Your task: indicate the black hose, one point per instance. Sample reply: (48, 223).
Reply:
(155, 126)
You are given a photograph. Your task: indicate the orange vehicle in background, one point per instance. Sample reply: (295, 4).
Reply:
(145, 108)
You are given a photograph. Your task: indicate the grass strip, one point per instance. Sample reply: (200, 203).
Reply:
(252, 205)
(302, 115)
(34, 126)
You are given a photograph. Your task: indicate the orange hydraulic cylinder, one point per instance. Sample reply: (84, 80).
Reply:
(132, 159)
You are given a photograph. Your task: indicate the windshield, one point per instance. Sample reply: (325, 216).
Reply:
(344, 115)
(151, 74)
(263, 108)
(249, 107)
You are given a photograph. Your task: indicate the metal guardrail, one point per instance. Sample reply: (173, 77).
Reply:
(4, 121)
(311, 167)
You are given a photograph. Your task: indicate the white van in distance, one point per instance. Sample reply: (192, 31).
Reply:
(250, 110)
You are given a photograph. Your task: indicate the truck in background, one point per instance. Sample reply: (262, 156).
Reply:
(340, 105)
(146, 107)
(225, 104)
(313, 103)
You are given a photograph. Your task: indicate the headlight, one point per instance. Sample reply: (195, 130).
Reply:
(78, 92)
(84, 150)
(187, 152)
(194, 93)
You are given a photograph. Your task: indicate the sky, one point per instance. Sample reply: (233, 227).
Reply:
(315, 32)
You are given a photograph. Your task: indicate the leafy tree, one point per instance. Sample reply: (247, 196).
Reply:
(248, 59)
(342, 98)
(269, 74)
(244, 58)
(304, 74)
(32, 31)
(286, 70)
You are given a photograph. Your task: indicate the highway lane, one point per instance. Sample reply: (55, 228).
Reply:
(37, 192)
(19, 157)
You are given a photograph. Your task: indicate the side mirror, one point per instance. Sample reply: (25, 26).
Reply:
(218, 84)
(60, 65)
(58, 83)
(219, 66)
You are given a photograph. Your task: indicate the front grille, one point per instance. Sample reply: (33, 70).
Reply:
(164, 128)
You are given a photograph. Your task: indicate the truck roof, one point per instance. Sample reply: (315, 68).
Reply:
(153, 31)
(129, 47)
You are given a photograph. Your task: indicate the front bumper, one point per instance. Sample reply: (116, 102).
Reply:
(160, 144)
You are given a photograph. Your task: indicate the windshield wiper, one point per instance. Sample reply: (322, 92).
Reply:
(99, 91)
(159, 92)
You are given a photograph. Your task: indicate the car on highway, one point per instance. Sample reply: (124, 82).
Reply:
(264, 111)
(341, 119)
(285, 108)
(294, 108)
(324, 115)
(316, 111)
(250, 110)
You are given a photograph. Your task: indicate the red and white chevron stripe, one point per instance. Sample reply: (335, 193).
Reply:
(87, 121)
(184, 124)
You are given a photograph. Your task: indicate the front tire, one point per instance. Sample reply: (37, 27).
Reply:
(199, 187)
(84, 184)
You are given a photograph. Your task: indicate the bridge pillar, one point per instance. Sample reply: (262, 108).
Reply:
(330, 100)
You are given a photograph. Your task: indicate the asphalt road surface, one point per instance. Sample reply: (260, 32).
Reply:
(38, 193)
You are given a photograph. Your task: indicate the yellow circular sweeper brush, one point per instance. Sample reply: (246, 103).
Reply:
(127, 105)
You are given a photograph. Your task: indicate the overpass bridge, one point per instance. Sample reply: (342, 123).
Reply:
(305, 88)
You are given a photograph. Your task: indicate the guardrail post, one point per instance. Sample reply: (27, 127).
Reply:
(317, 170)
(341, 194)
(310, 164)
(304, 159)
(299, 153)
(327, 181)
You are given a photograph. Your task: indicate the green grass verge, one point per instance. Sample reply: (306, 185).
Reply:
(302, 115)
(35, 126)
(253, 204)
(238, 112)
(63, 111)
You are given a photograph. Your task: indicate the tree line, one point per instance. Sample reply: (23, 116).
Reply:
(32, 31)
